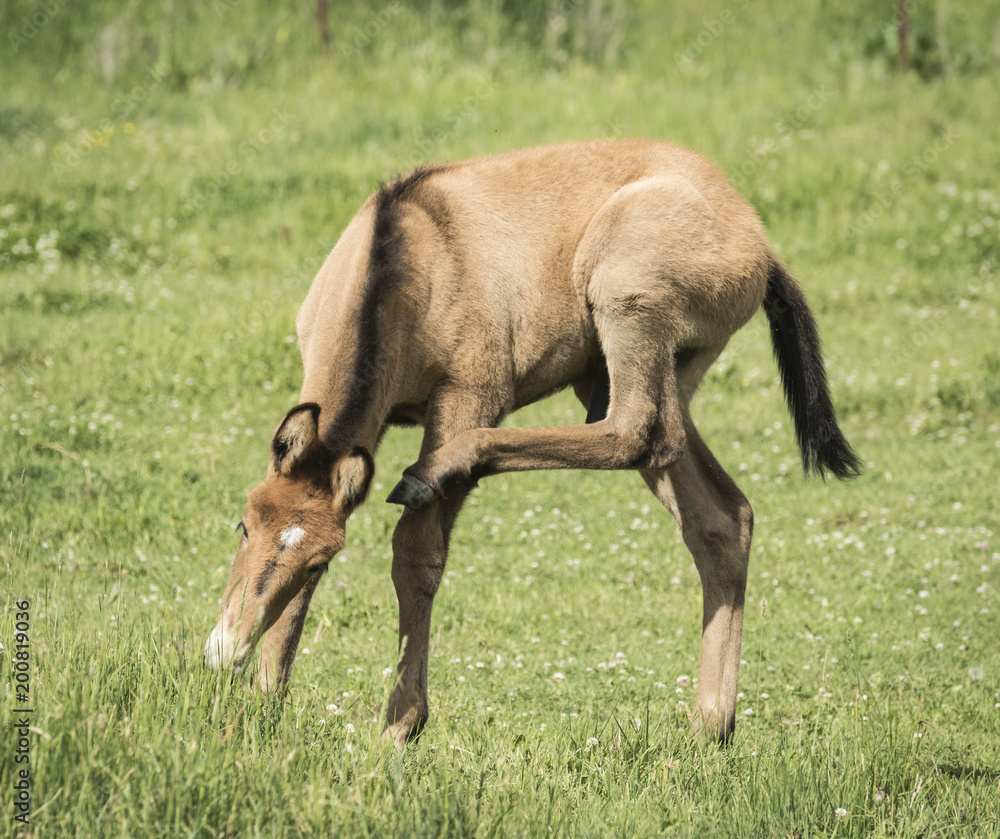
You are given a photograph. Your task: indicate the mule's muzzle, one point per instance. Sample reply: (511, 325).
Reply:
(226, 648)
(220, 649)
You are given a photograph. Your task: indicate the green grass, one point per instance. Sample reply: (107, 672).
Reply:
(146, 357)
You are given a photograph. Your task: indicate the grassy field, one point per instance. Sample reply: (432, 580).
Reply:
(169, 184)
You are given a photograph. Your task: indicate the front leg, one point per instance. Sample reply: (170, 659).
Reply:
(419, 552)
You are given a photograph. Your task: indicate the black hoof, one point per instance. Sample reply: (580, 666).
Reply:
(412, 492)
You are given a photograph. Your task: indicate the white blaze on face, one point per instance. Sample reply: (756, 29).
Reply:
(291, 536)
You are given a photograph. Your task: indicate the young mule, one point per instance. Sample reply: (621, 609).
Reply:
(464, 291)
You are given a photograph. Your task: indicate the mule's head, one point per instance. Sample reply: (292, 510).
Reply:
(294, 524)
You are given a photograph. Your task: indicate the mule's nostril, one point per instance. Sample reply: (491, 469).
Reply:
(213, 652)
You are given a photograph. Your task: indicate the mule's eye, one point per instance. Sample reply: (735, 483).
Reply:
(241, 528)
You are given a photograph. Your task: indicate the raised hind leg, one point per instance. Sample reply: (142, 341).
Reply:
(716, 522)
(643, 426)
(661, 281)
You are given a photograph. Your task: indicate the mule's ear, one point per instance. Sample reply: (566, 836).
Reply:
(295, 438)
(351, 478)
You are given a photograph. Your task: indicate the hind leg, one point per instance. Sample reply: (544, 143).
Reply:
(643, 427)
(661, 278)
(716, 522)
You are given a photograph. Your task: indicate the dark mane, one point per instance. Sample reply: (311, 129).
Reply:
(387, 270)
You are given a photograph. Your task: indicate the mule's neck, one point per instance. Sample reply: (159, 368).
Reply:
(352, 350)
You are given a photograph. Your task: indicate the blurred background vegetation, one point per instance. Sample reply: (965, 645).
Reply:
(163, 101)
(221, 43)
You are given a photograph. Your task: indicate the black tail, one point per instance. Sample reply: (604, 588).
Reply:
(797, 351)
